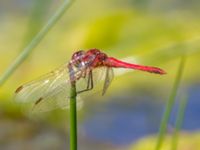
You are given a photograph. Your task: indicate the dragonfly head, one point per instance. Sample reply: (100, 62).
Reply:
(82, 59)
(77, 58)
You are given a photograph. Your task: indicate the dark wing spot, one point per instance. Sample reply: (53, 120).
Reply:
(18, 89)
(38, 101)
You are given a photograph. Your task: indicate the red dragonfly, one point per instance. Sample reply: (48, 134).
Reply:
(51, 91)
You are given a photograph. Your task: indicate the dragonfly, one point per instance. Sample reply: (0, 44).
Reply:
(51, 91)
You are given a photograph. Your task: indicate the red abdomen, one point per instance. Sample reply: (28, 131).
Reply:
(113, 62)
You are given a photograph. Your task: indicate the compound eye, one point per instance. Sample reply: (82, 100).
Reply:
(78, 54)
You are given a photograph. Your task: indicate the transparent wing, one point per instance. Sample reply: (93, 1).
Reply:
(102, 77)
(47, 92)
(55, 101)
(99, 75)
(56, 98)
(108, 79)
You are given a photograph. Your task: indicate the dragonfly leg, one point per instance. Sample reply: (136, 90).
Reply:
(92, 83)
(89, 83)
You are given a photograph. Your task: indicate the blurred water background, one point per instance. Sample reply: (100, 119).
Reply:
(151, 32)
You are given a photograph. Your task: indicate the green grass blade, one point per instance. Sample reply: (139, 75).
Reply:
(73, 118)
(179, 121)
(36, 40)
(170, 103)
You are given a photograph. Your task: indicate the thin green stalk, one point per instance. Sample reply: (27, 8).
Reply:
(170, 104)
(179, 121)
(36, 40)
(73, 117)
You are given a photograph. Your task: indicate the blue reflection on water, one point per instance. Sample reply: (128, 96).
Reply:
(191, 121)
(126, 119)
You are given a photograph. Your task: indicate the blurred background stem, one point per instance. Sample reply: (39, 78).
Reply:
(36, 40)
(170, 103)
(179, 121)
